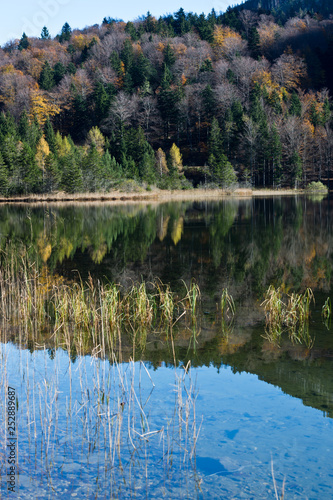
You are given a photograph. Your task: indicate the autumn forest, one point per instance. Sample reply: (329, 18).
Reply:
(240, 98)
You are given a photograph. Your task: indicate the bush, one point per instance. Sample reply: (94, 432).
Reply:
(316, 186)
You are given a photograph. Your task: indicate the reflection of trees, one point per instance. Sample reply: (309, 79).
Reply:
(242, 244)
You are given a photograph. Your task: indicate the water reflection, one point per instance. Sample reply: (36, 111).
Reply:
(90, 428)
(241, 245)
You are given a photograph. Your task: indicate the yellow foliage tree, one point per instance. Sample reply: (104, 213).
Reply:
(97, 139)
(41, 107)
(62, 145)
(268, 33)
(81, 41)
(42, 151)
(223, 34)
(161, 163)
(176, 158)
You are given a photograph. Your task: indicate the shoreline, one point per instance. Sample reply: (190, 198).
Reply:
(119, 197)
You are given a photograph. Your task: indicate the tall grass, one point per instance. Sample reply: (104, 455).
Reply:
(228, 310)
(288, 313)
(90, 313)
(326, 313)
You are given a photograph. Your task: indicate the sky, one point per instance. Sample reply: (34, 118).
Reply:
(30, 16)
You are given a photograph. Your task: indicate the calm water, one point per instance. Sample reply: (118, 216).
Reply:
(89, 428)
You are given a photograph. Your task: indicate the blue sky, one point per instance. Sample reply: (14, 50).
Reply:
(30, 16)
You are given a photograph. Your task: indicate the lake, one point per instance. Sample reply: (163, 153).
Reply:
(209, 408)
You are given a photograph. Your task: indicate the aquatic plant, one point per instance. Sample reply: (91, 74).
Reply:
(326, 312)
(192, 299)
(288, 313)
(227, 311)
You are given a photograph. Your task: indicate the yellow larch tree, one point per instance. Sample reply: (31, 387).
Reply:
(42, 151)
(176, 158)
(41, 106)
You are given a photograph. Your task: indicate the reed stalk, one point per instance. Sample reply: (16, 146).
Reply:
(290, 314)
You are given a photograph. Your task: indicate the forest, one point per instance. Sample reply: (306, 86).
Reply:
(235, 98)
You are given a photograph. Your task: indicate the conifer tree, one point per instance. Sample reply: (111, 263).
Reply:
(45, 35)
(66, 33)
(50, 135)
(72, 181)
(24, 42)
(52, 176)
(46, 79)
(4, 180)
(220, 168)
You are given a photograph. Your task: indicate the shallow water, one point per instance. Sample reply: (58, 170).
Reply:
(91, 428)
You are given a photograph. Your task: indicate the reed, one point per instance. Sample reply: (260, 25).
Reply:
(288, 313)
(326, 312)
(228, 311)
(191, 300)
(274, 314)
(88, 314)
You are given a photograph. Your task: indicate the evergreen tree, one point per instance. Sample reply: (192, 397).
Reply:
(169, 56)
(50, 135)
(112, 168)
(209, 101)
(46, 79)
(92, 170)
(28, 175)
(102, 100)
(4, 181)
(220, 168)
(9, 151)
(276, 156)
(24, 42)
(295, 107)
(130, 29)
(254, 42)
(29, 131)
(71, 181)
(66, 33)
(142, 71)
(45, 35)
(296, 169)
(127, 54)
(59, 72)
(52, 176)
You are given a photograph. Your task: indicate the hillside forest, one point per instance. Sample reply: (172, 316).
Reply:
(241, 97)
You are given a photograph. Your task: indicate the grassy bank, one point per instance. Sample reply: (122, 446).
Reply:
(155, 195)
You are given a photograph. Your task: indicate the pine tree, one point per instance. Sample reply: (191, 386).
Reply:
(220, 168)
(52, 176)
(59, 72)
(92, 170)
(45, 35)
(71, 181)
(4, 181)
(102, 100)
(46, 79)
(295, 107)
(24, 42)
(169, 56)
(50, 135)
(66, 33)
(28, 175)
(254, 42)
